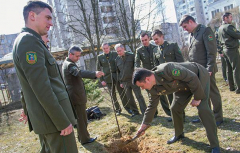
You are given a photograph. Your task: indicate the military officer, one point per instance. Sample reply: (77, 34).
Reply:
(145, 57)
(229, 38)
(125, 68)
(203, 50)
(184, 80)
(167, 52)
(106, 63)
(72, 76)
(46, 102)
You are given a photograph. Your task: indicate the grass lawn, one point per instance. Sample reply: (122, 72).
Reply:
(15, 137)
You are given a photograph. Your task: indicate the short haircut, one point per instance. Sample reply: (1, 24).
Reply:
(144, 34)
(140, 75)
(118, 45)
(74, 49)
(35, 6)
(157, 32)
(103, 44)
(226, 14)
(186, 19)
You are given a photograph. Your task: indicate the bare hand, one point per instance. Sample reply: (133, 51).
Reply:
(142, 129)
(99, 74)
(23, 117)
(210, 73)
(67, 131)
(221, 55)
(121, 85)
(195, 103)
(103, 83)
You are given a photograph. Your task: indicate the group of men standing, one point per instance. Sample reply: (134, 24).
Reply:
(52, 102)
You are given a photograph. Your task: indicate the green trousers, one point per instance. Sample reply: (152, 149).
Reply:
(233, 67)
(216, 99)
(129, 89)
(83, 135)
(112, 89)
(55, 143)
(224, 68)
(181, 100)
(166, 101)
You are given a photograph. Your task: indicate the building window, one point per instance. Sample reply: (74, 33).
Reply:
(215, 12)
(192, 9)
(106, 9)
(111, 30)
(229, 7)
(109, 19)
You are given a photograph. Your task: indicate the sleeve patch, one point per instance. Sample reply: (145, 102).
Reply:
(175, 72)
(234, 29)
(31, 57)
(210, 37)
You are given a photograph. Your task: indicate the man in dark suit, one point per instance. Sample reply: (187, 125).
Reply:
(203, 50)
(72, 76)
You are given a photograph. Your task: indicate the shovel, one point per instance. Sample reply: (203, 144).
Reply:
(135, 137)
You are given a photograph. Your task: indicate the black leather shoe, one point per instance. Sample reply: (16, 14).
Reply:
(218, 123)
(196, 121)
(216, 150)
(169, 119)
(90, 140)
(237, 91)
(174, 139)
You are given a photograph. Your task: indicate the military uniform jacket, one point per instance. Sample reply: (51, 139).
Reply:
(228, 36)
(219, 45)
(203, 48)
(72, 76)
(169, 53)
(125, 67)
(147, 59)
(46, 99)
(173, 77)
(107, 66)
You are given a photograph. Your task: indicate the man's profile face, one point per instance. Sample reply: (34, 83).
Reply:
(75, 56)
(120, 51)
(188, 26)
(42, 21)
(158, 39)
(106, 49)
(229, 19)
(45, 39)
(144, 84)
(145, 40)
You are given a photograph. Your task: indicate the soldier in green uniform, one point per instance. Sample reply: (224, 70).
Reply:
(184, 80)
(125, 68)
(229, 38)
(72, 76)
(106, 63)
(145, 57)
(46, 102)
(203, 50)
(167, 52)
(222, 56)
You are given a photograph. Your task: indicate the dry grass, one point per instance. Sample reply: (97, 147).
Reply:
(14, 136)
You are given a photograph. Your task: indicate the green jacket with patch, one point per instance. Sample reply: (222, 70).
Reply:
(46, 99)
(146, 58)
(107, 66)
(173, 77)
(169, 53)
(229, 36)
(203, 48)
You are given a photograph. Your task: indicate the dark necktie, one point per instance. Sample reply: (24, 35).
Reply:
(107, 56)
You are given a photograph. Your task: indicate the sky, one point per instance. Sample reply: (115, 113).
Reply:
(12, 19)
